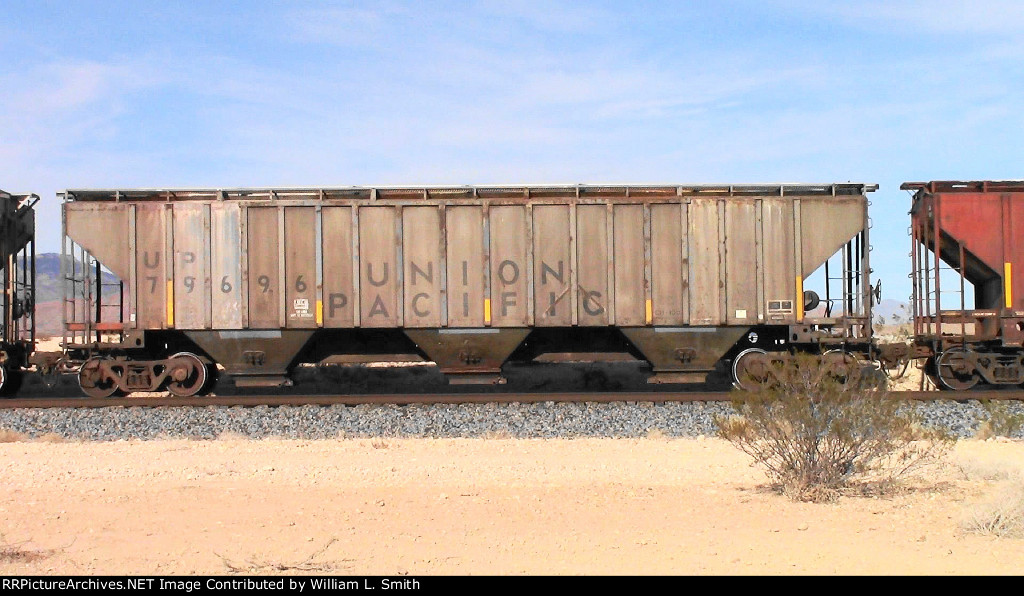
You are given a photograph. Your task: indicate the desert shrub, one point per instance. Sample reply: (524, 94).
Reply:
(1001, 515)
(1000, 421)
(12, 436)
(817, 435)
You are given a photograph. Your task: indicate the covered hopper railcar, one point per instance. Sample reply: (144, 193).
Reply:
(17, 270)
(688, 278)
(968, 281)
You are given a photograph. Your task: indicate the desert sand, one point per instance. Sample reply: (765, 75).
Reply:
(475, 506)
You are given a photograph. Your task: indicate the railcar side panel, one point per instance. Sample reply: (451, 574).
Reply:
(191, 281)
(300, 267)
(509, 266)
(264, 268)
(593, 264)
(421, 251)
(780, 273)
(552, 266)
(667, 259)
(151, 279)
(226, 239)
(465, 266)
(741, 261)
(338, 302)
(379, 267)
(630, 297)
(706, 264)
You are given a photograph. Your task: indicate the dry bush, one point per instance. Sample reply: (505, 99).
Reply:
(1001, 515)
(1000, 421)
(230, 435)
(16, 553)
(308, 565)
(988, 471)
(656, 434)
(51, 438)
(12, 436)
(817, 436)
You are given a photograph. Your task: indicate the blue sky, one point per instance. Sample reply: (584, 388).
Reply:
(164, 94)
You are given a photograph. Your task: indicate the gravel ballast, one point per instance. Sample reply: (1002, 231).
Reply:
(515, 420)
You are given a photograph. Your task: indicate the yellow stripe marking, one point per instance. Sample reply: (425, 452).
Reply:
(1008, 284)
(649, 312)
(799, 299)
(170, 303)
(319, 313)
(487, 311)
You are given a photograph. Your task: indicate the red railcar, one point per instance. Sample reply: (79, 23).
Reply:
(968, 281)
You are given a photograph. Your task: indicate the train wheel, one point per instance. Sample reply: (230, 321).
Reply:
(188, 374)
(94, 381)
(955, 371)
(750, 369)
(5, 381)
(841, 366)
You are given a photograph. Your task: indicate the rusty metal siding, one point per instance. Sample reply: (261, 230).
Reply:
(421, 251)
(465, 266)
(509, 264)
(300, 267)
(592, 264)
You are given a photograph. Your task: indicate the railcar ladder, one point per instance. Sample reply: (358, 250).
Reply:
(93, 299)
(845, 288)
(928, 291)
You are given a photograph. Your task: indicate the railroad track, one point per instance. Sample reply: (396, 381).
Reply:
(445, 398)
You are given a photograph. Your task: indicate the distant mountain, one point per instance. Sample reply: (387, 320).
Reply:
(49, 293)
(48, 280)
(889, 308)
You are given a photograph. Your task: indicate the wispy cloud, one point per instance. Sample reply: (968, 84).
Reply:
(914, 18)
